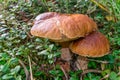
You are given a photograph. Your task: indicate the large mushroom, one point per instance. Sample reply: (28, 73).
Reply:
(93, 45)
(62, 28)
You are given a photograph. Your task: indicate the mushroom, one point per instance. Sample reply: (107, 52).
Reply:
(62, 28)
(93, 45)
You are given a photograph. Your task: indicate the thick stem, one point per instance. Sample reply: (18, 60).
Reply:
(66, 54)
(65, 44)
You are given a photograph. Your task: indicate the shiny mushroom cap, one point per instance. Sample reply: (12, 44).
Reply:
(93, 45)
(62, 27)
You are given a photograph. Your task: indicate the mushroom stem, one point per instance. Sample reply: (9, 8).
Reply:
(81, 63)
(66, 53)
(64, 44)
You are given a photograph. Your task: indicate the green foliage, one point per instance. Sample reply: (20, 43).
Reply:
(70, 6)
(91, 76)
(57, 73)
(16, 43)
(113, 7)
(74, 75)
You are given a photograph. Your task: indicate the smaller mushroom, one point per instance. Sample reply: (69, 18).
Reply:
(93, 45)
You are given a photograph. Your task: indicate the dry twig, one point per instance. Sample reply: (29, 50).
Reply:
(106, 76)
(31, 75)
(25, 69)
(66, 76)
(104, 62)
(88, 71)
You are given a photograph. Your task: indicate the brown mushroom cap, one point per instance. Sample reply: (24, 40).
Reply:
(45, 16)
(93, 45)
(62, 27)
